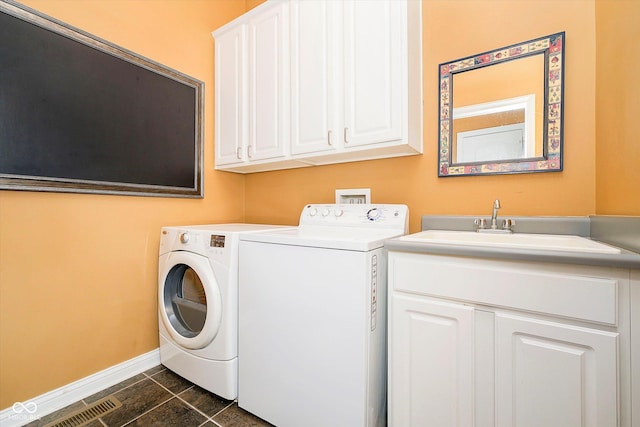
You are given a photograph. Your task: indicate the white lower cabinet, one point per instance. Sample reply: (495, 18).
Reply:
(432, 374)
(454, 361)
(550, 374)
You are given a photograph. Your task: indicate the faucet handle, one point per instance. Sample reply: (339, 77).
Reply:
(508, 224)
(480, 223)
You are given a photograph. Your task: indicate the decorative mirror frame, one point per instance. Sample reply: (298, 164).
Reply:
(552, 47)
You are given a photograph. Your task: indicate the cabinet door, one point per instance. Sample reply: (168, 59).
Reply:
(551, 374)
(230, 115)
(268, 82)
(374, 71)
(431, 357)
(315, 76)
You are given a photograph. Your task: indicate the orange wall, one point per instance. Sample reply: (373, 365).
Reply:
(452, 30)
(617, 108)
(78, 273)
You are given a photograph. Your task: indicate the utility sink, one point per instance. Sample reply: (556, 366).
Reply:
(544, 242)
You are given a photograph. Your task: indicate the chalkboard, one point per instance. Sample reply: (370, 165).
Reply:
(79, 114)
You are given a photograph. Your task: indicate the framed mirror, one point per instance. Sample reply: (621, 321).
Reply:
(501, 112)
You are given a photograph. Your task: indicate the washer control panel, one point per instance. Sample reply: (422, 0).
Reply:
(356, 215)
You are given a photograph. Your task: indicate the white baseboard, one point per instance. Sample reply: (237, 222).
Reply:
(25, 412)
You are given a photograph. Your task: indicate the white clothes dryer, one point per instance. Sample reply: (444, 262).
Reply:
(198, 303)
(312, 317)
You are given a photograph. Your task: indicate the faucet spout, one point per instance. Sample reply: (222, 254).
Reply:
(494, 214)
(481, 223)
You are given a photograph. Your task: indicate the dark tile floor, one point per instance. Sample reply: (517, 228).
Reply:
(158, 397)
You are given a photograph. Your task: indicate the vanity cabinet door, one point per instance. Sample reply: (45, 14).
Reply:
(268, 82)
(431, 358)
(374, 71)
(230, 100)
(552, 374)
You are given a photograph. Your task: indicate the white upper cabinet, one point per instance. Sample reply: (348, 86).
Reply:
(328, 82)
(348, 76)
(268, 83)
(252, 91)
(230, 68)
(315, 75)
(375, 81)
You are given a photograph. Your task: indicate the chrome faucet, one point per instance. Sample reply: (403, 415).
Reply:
(494, 215)
(507, 224)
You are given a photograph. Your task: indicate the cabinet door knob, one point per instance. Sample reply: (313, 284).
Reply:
(329, 134)
(346, 141)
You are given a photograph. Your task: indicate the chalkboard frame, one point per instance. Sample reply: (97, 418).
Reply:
(187, 84)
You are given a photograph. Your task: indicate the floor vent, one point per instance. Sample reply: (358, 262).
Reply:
(88, 414)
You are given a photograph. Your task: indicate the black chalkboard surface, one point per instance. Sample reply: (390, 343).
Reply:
(82, 115)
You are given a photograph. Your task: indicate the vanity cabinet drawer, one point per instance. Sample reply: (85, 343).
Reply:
(575, 292)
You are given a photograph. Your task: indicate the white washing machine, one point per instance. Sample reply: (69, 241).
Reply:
(312, 319)
(198, 303)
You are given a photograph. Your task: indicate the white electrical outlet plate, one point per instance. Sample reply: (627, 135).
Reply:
(354, 196)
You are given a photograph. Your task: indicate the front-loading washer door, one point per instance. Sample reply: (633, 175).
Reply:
(189, 299)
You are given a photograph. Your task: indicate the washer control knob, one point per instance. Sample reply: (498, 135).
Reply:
(184, 237)
(373, 214)
(325, 212)
(338, 213)
(313, 212)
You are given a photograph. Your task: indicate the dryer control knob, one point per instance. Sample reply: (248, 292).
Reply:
(325, 212)
(313, 212)
(184, 237)
(338, 212)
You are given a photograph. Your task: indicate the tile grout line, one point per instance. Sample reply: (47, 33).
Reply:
(148, 411)
(210, 420)
(207, 418)
(223, 409)
(110, 394)
(148, 377)
(172, 395)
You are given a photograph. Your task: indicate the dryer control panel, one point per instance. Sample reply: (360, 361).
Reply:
(390, 216)
(214, 245)
(217, 241)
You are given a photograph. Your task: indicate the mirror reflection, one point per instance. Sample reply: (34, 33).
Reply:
(504, 120)
(500, 111)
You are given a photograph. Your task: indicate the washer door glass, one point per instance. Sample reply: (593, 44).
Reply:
(185, 300)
